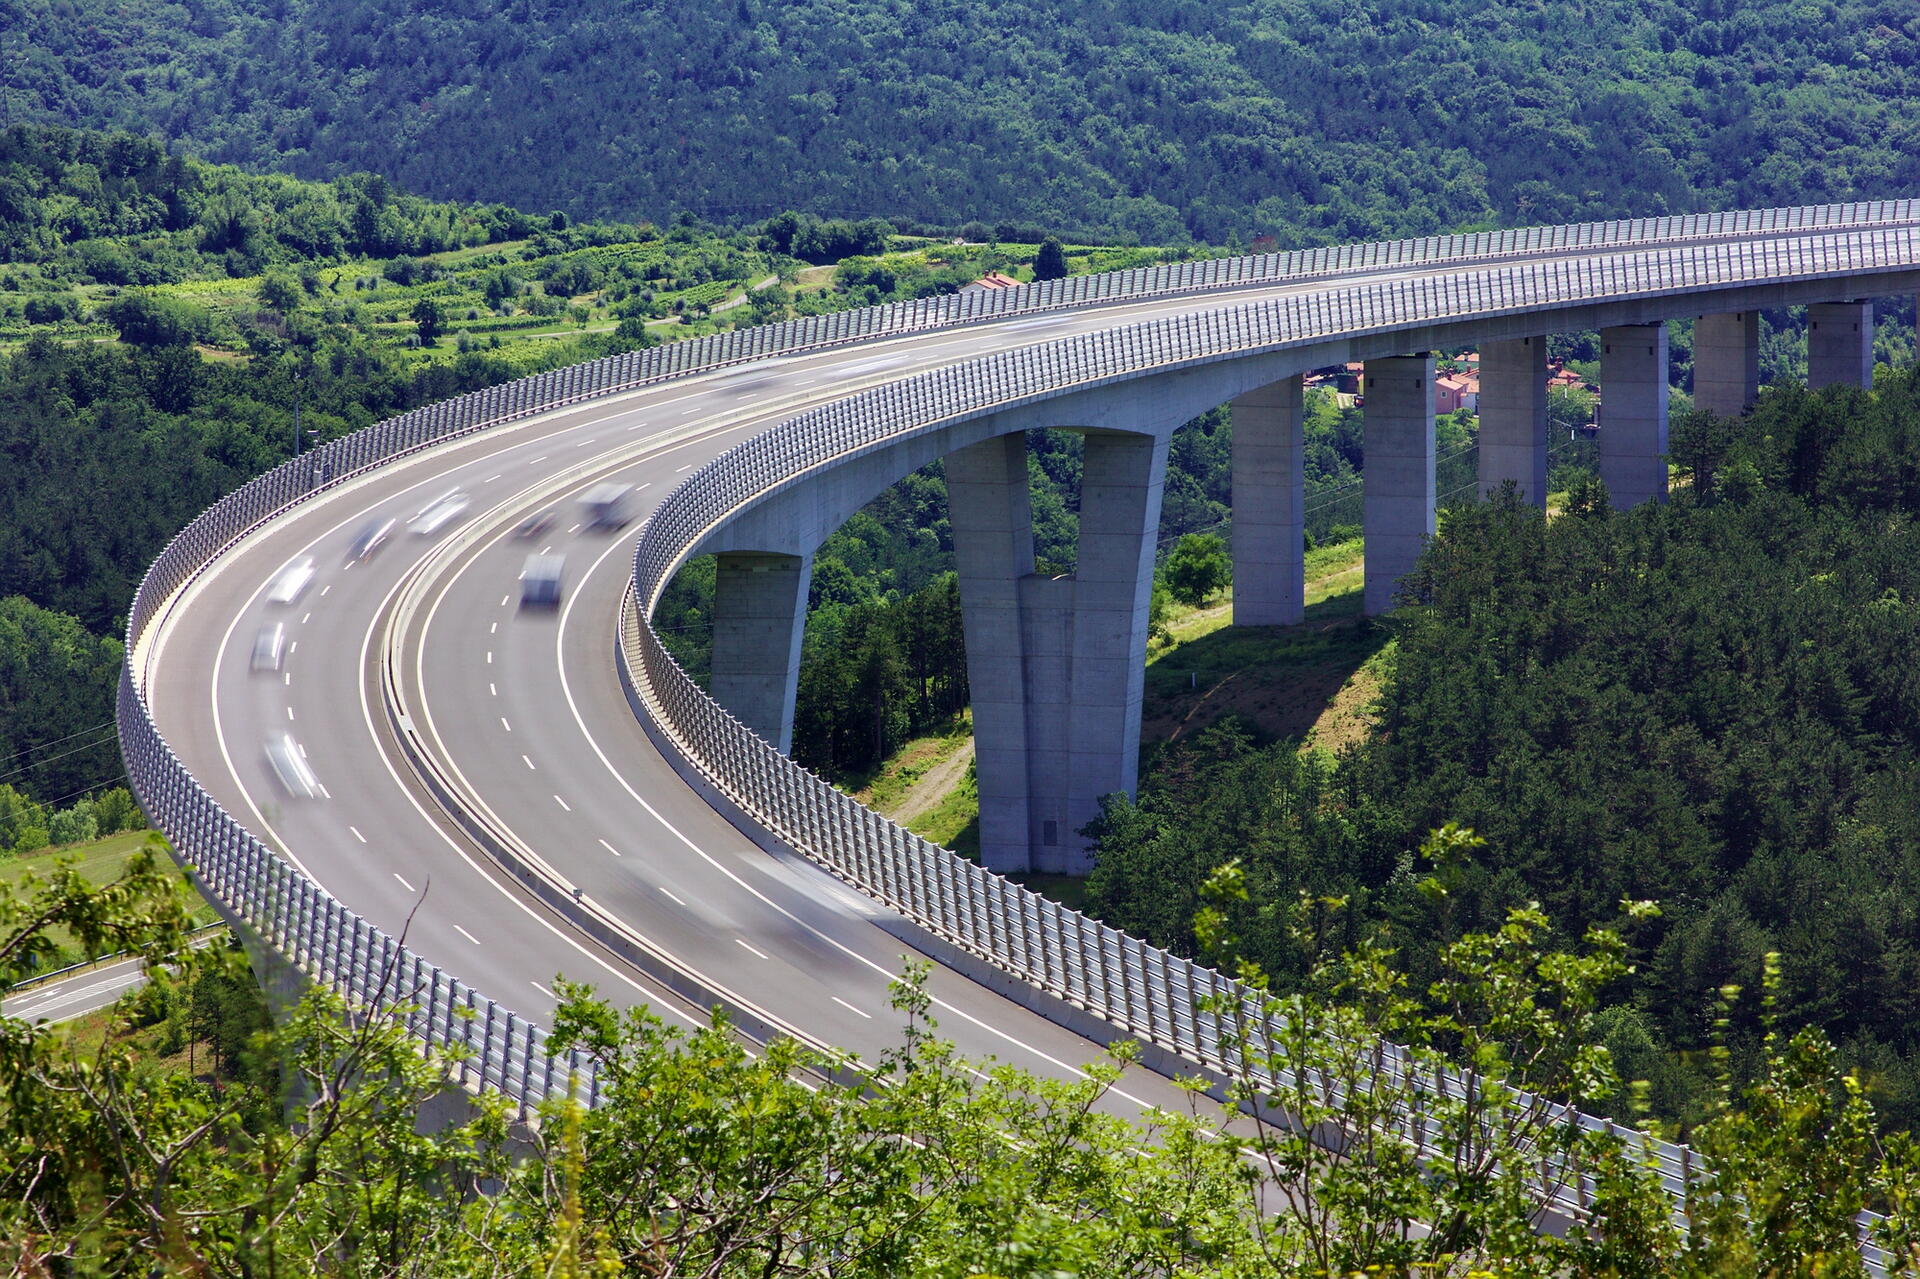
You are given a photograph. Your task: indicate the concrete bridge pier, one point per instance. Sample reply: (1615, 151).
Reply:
(759, 617)
(1397, 508)
(1840, 345)
(1513, 417)
(1269, 501)
(1726, 362)
(1057, 664)
(1633, 413)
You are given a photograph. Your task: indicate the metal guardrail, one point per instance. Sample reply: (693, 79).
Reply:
(33, 981)
(1124, 980)
(1141, 989)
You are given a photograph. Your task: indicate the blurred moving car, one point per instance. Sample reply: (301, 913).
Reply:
(437, 514)
(537, 523)
(540, 581)
(293, 578)
(370, 539)
(291, 767)
(269, 647)
(605, 505)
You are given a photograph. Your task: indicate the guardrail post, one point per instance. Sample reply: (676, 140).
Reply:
(486, 1045)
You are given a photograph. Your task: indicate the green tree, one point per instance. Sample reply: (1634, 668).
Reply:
(427, 319)
(147, 321)
(1050, 263)
(1198, 568)
(280, 291)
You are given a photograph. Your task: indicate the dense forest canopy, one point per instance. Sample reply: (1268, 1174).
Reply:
(1308, 119)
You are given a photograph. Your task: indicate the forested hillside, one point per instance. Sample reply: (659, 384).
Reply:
(1711, 704)
(1308, 119)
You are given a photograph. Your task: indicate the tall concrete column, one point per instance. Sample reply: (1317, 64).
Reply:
(1122, 481)
(759, 616)
(1633, 413)
(992, 522)
(1726, 362)
(1057, 664)
(1398, 503)
(1840, 344)
(1513, 418)
(1269, 500)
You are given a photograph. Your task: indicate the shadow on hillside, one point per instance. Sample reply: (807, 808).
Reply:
(1278, 678)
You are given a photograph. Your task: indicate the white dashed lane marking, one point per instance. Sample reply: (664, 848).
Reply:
(670, 897)
(527, 762)
(464, 933)
(403, 881)
(610, 848)
(357, 835)
(844, 1004)
(740, 942)
(563, 803)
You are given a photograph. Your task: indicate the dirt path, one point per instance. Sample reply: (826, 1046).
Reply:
(740, 299)
(924, 795)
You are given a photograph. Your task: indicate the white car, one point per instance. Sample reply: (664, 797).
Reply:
(291, 767)
(269, 647)
(293, 578)
(437, 514)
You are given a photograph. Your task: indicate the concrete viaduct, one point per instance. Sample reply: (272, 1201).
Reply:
(1056, 663)
(489, 796)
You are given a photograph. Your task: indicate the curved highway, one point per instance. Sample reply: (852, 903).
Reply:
(525, 721)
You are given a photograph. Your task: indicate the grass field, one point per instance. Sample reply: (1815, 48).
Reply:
(100, 862)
